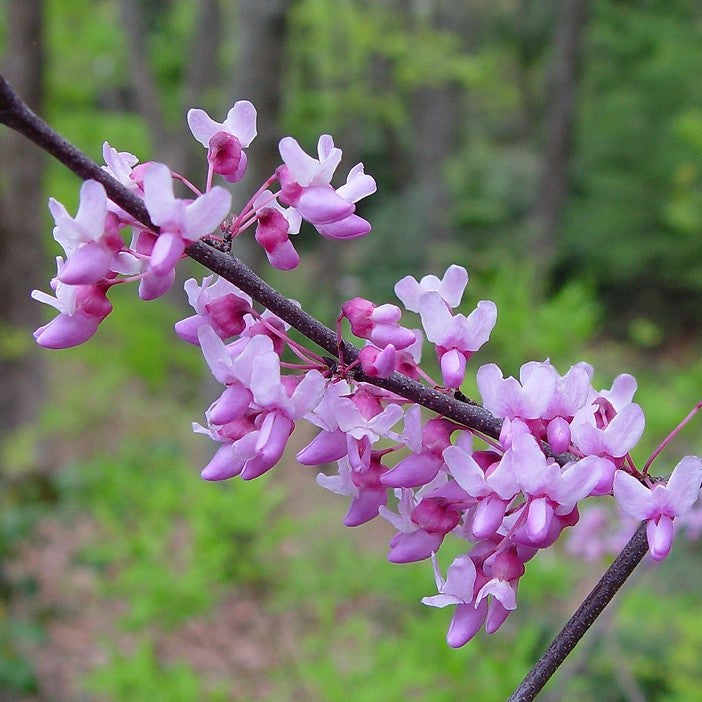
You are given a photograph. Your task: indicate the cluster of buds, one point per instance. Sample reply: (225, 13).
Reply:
(507, 496)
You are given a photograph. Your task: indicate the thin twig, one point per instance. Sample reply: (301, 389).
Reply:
(584, 617)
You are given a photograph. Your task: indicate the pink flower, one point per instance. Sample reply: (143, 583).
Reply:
(456, 337)
(275, 224)
(362, 484)
(459, 589)
(181, 221)
(660, 504)
(597, 430)
(509, 398)
(305, 184)
(225, 141)
(81, 309)
(218, 304)
(91, 240)
(550, 489)
(378, 324)
(450, 288)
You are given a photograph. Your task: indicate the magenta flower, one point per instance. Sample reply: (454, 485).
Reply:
(450, 288)
(510, 398)
(275, 224)
(305, 184)
(662, 503)
(218, 304)
(597, 431)
(362, 485)
(81, 309)
(459, 589)
(225, 141)
(181, 221)
(91, 240)
(456, 337)
(377, 323)
(550, 489)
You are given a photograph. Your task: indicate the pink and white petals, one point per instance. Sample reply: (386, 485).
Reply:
(226, 140)
(662, 503)
(450, 288)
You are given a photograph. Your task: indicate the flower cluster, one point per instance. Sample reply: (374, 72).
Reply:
(97, 257)
(507, 497)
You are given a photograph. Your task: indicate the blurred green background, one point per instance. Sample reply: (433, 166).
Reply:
(553, 147)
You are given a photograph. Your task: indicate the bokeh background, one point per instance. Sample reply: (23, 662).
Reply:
(553, 147)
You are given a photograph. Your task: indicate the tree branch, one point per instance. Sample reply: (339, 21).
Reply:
(600, 596)
(15, 114)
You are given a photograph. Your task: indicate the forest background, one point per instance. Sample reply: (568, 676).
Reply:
(554, 148)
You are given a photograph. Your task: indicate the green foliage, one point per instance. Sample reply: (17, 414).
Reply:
(529, 327)
(630, 224)
(170, 542)
(371, 635)
(16, 673)
(141, 677)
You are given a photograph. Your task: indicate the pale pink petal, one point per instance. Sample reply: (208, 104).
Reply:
(203, 126)
(302, 166)
(632, 497)
(351, 227)
(684, 484)
(358, 185)
(465, 624)
(158, 193)
(660, 537)
(206, 213)
(168, 249)
(241, 122)
(321, 205)
(479, 324)
(453, 285)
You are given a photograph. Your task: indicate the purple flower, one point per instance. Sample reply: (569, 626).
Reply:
(509, 398)
(660, 504)
(450, 288)
(456, 337)
(181, 221)
(218, 304)
(225, 141)
(81, 309)
(305, 184)
(459, 589)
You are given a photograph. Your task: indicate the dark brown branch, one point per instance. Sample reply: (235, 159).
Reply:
(600, 596)
(15, 114)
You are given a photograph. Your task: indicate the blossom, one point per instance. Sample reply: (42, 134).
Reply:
(362, 484)
(218, 304)
(81, 309)
(456, 337)
(450, 288)
(377, 323)
(526, 398)
(459, 589)
(275, 224)
(597, 431)
(305, 185)
(91, 239)
(225, 141)
(662, 503)
(181, 221)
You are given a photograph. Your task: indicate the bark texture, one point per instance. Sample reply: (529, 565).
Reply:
(22, 260)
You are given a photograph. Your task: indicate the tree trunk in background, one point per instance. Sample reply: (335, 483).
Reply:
(262, 37)
(22, 232)
(172, 142)
(435, 114)
(560, 117)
